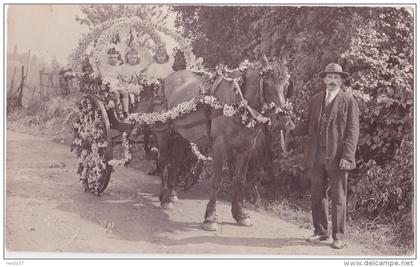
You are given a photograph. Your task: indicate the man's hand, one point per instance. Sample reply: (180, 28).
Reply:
(345, 165)
(290, 126)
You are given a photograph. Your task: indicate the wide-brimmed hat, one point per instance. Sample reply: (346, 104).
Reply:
(334, 68)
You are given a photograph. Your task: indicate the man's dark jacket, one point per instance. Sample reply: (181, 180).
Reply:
(342, 130)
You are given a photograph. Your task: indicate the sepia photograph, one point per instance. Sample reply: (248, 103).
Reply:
(210, 131)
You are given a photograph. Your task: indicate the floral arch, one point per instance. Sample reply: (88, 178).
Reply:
(150, 35)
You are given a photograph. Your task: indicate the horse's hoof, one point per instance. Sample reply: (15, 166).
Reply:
(174, 198)
(210, 226)
(245, 222)
(167, 206)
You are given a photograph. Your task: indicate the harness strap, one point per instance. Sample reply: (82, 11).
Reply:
(254, 113)
(215, 86)
(257, 115)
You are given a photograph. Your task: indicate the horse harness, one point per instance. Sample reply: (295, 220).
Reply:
(161, 101)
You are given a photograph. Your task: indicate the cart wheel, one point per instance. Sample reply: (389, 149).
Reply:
(108, 151)
(95, 145)
(104, 180)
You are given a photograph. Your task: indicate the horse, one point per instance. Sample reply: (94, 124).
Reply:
(228, 139)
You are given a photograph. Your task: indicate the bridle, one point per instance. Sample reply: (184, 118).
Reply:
(254, 113)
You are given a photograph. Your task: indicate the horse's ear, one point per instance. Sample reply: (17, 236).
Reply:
(264, 60)
(290, 89)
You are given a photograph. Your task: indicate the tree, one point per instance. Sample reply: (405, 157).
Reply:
(97, 14)
(371, 43)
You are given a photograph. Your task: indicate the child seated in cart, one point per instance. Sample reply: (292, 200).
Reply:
(112, 73)
(132, 76)
(161, 67)
(131, 69)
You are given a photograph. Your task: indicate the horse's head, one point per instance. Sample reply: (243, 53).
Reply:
(266, 83)
(275, 85)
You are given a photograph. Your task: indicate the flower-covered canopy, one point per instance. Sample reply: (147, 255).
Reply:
(123, 33)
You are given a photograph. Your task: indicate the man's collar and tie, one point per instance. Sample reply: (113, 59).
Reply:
(330, 95)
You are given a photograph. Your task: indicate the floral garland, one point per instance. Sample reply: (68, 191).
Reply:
(92, 85)
(184, 108)
(90, 137)
(104, 33)
(272, 107)
(103, 42)
(90, 144)
(267, 108)
(198, 154)
(241, 110)
(78, 54)
(127, 155)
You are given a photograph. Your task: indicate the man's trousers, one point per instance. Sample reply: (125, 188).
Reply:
(321, 181)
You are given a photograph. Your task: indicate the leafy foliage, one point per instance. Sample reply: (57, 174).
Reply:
(380, 57)
(387, 192)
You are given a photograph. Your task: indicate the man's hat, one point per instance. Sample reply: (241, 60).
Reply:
(334, 68)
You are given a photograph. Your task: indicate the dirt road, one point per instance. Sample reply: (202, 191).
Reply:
(47, 210)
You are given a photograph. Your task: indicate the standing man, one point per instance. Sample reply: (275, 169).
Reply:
(332, 126)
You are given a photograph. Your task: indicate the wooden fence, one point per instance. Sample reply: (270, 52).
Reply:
(53, 84)
(15, 92)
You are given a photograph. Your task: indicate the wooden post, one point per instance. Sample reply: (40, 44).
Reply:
(20, 92)
(40, 83)
(12, 82)
(50, 85)
(28, 63)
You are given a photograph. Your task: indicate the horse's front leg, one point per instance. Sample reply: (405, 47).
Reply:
(218, 158)
(163, 145)
(239, 186)
(172, 177)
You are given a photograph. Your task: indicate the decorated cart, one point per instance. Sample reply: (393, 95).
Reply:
(102, 123)
(107, 119)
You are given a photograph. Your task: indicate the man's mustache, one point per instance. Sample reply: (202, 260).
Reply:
(332, 83)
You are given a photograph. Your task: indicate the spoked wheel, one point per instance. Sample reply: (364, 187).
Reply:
(194, 175)
(104, 179)
(187, 166)
(94, 145)
(108, 151)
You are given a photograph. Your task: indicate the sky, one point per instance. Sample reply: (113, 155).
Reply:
(47, 30)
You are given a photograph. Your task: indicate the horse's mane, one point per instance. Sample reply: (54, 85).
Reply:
(276, 65)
